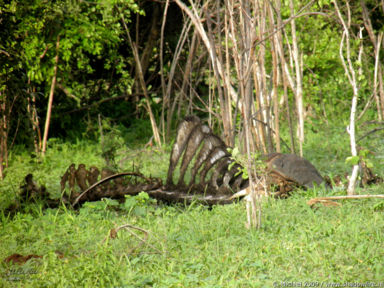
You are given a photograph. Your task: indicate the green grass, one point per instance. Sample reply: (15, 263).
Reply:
(189, 246)
(197, 247)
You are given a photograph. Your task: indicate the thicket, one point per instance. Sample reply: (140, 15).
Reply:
(81, 54)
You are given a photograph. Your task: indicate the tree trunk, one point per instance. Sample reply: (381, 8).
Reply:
(351, 74)
(50, 99)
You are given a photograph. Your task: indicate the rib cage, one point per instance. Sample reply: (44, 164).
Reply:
(204, 155)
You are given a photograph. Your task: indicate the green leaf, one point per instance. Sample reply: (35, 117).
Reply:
(352, 160)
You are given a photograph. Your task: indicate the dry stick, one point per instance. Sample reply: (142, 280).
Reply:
(6, 117)
(299, 84)
(5, 53)
(237, 55)
(161, 67)
(376, 45)
(142, 83)
(260, 131)
(261, 82)
(113, 234)
(369, 133)
(275, 83)
(186, 73)
(227, 98)
(285, 74)
(227, 70)
(3, 135)
(193, 15)
(259, 117)
(348, 197)
(273, 131)
(179, 48)
(209, 109)
(246, 88)
(366, 106)
(35, 122)
(377, 61)
(107, 179)
(50, 99)
(224, 113)
(95, 104)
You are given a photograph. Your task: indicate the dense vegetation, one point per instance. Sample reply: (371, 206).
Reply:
(104, 77)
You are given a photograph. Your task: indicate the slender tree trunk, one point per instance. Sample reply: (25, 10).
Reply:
(163, 87)
(351, 74)
(3, 134)
(50, 99)
(247, 59)
(378, 75)
(275, 80)
(155, 129)
(171, 75)
(262, 73)
(31, 109)
(299, 85)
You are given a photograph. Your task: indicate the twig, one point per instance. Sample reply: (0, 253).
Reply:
(45, 51)
(5, 52)
(95, 104)
(113, 234)
(348, 197)
(269, 127)
(369, 133)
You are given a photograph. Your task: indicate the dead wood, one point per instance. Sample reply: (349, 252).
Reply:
(20, 259)
(129, 228)
(329, 199)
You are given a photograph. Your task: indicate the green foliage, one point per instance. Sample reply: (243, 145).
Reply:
(85, 30)
(91, 64)
(139, 205)
(257, 163)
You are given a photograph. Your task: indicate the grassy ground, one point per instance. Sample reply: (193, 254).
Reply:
(189, 246)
